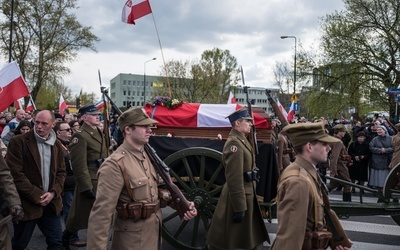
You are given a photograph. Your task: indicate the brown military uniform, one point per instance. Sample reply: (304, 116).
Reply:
(396, 150)
(87, 147)
(298, 205)
(143, 180)
(284, 152)
(10, 194)
(339, 166)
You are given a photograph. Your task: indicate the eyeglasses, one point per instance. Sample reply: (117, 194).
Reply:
(67, 129)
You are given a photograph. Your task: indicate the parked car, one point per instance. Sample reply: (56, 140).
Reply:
(369, 116)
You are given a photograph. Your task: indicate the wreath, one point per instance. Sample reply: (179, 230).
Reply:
(165, 101)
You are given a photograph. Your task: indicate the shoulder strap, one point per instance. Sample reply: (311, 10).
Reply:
(128, 189)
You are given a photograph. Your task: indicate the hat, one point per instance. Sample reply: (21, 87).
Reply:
(339, 128)
(89, 109)
(301, 133)
(135, 116)
(242, 113)
(361, 133)
(58, 115)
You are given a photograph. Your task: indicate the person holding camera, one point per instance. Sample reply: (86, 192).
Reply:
(237, 222)
(88, 150)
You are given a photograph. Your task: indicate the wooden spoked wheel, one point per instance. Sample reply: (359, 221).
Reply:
(199, 173)
(391, 189)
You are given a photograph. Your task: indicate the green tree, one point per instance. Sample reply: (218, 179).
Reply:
(207, 80)
(366, 37)
(46, 36)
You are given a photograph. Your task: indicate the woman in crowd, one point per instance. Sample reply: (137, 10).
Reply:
(74, 124)
(382, 150)
(360, 154)
(23, 127)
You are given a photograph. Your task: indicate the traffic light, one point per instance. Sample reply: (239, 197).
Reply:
(78, 103)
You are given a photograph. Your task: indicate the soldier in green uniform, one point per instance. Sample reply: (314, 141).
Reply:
(9, 195)
(88, 151)
(237, 222)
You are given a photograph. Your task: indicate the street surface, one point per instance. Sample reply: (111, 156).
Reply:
(366, 232)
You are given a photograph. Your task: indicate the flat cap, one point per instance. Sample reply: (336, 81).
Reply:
(339, 128)
(89, 109)
(242, 113)
(302, 133)
(136, 116)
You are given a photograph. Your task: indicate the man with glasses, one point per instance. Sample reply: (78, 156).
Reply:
(36, 163)
(88, 151)
(63, 132)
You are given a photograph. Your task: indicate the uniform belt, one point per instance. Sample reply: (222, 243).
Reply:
(287, 151)
(137, 210)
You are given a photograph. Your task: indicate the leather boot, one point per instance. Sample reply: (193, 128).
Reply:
(346, 196)
(66, 236)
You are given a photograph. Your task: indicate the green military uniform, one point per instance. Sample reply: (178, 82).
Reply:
(87, 147)
(237, 195)
(10, 194)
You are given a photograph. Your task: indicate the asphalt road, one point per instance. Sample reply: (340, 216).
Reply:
(366, 232)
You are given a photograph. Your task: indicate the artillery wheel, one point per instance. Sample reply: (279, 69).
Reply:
(391, 189)
(199, 173)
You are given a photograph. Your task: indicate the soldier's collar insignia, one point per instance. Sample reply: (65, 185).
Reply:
(233, 149)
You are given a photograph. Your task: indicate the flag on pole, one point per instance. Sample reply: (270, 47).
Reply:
(19, 104)
(135, 9)
(290, 115)
(63, 105)
(231, 98)
(30, 106)
(282, 109)
(12, 85)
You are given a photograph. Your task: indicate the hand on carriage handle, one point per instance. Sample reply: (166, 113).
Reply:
(191, 213)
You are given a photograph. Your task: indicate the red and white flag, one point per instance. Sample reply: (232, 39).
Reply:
(282, 109)
(12, 85)
(135, 9)
(231, 98)
(291, 113)
(30, 106)
(63, 105)
(19, 104)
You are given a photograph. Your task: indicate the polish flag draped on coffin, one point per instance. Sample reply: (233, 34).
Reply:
(12, 85)
(194, 115)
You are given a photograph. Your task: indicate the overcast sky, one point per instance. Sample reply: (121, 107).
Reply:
(249, 29)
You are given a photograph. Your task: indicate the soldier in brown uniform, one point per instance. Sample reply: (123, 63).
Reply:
(340, 159)
(237, 222)
(396, 148)
(284, 152)
(9, 194)
(88, 150)
(129, 161)
(300, 203)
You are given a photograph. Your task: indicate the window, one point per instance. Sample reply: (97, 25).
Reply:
(129, 92)
(129, 82)
(124, 92)
(124, 83)
(124, 103)
(113, 85)
(133, 83)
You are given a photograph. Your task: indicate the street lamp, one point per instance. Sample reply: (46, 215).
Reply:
(295, 45)
(144, 80)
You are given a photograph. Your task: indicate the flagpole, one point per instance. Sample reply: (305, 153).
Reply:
(162, 55)
(11, 31)
(33, 103)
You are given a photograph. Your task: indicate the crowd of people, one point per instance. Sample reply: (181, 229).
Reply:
(365, 155)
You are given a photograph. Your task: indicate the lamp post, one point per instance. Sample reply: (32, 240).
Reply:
(295, 45)
(144, 80)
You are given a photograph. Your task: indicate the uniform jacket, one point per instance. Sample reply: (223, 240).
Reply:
(283, 156)
(143, 181)
(336, 163)
(87, 145)
(236, 196)
(396, 150)
(23, 159)
(296, 205)
(8, 190)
